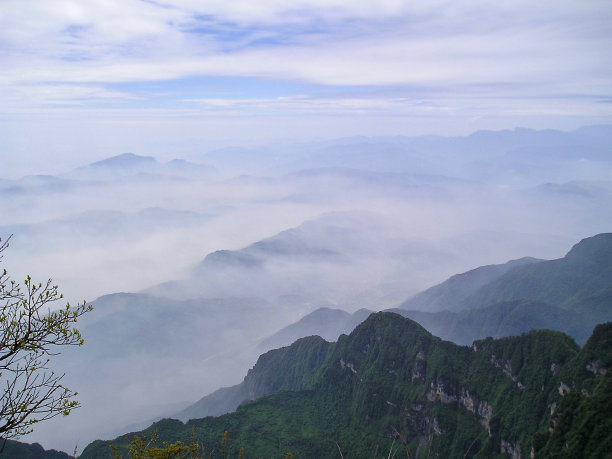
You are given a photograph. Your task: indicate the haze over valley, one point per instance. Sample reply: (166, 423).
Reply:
(338, 225)
(220, 255)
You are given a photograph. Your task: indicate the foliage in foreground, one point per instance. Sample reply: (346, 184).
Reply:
(30, 335)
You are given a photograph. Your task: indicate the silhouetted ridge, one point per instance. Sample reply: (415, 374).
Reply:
(15, 449)
(459, 287)
(325, 322)
(594, 252)
(506, 318)
(125, 160)
(579, 284)
(567, 282)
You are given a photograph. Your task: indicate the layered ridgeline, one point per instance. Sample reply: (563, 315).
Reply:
(507, 318)
(571, 294)
(347, 258)
(390, 381)
(12, 448)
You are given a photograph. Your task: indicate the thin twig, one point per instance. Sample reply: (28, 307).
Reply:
(391, 449)
(472, 444)
(339, 450)
(408, 451)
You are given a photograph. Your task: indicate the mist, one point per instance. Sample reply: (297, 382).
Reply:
(219, 253)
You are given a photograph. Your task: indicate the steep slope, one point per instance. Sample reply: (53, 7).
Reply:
(581, 281)
(389, 382)
(288, 368)
(460, 287)
(271, 371)
(571, 294)
(581, 422)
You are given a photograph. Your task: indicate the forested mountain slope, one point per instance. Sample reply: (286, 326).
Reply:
(287, 368)
(391, 380)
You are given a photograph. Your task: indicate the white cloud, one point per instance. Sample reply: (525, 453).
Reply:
(130, 40)
(366, 57)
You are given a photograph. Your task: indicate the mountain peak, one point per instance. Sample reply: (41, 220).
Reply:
(125, 160)
(596, 247)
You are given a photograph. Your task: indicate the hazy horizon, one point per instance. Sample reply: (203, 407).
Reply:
(88, 80)
(343, 154)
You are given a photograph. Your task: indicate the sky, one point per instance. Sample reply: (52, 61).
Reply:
(82, 80)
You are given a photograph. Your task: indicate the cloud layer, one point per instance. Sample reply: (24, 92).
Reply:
(71, 51)
(470, 64)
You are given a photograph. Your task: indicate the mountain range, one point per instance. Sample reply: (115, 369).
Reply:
(222, 337)
(227, 262)
(131, 165)
(506, 318)
(571, 294)
(318, 260)
(391, 386)
(540, 369)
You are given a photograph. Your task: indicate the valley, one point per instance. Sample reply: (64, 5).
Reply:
(218, 264)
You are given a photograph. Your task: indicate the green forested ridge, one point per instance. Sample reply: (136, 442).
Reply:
(391, 379)
(459, 287)
(571, 294)
(16, 449)
(581, 424)
(287, 368)
(570, 282)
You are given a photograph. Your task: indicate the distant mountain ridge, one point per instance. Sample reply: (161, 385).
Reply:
(328, 323)
(316, 260)
(460, 287)
(132, 165)
(512, 150)
(571, 294)
(569, 282)
(577, 282)
(508, 318)
(125, 161)
(489, 182)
